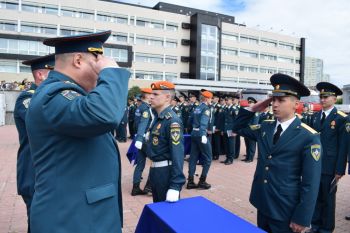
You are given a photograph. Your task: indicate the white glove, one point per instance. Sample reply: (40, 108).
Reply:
(204, 139)
(172, 195)
(138, 145)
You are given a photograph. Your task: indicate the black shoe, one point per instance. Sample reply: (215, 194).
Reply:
(191, 184)
(215, 157)
(225, 161)
(229, 162)
(202, 184)
(244, 159)
(347, 217)
(137, 191)
(147, 189)
(249, 161)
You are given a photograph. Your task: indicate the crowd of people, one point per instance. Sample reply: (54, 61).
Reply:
(15, 86)
(69, 170)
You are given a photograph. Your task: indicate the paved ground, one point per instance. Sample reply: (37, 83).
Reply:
(230, 189)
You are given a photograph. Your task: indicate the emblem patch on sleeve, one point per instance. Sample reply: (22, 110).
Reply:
(316, 151)
(69, 94)
(26, 102)
(175, 133)
(254, 127)
(207, 112)
(145, 114)
(347, 127)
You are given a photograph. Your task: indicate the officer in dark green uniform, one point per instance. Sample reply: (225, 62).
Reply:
(347, 128)
(251, 144)
(184, 108)
(120, 132)
(331, 124)
(288, 171)
(25, 170)
(216, 144)
(236, 106)
(69, 123)
(192, 105)
(143, 118)
(175, 107)
(165, 146)
(229, 136)
(200, 143)
(131, 117)
(306, 115)
(266, 115)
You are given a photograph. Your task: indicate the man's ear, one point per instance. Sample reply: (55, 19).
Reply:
(77, 60)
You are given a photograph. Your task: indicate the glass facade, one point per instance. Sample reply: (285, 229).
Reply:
(209, 67)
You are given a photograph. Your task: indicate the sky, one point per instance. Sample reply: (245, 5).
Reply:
(324, 23)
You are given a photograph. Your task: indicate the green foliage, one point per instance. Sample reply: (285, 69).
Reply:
(133, 91)
(339, 101)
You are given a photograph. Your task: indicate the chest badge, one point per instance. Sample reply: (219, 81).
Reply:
(158, 126)
(333, 124)
(347, 127)
(155, 141)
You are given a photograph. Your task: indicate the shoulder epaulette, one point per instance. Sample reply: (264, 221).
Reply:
(196, 103)
(31, 91)
(308, 128)
(269, 120)
(342, 113)
(254, 127)
(168, 115)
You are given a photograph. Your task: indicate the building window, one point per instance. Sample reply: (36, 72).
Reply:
(248, 54)
(170, 59)
(8, 26)
(285, 71)
(172, 27)
(38, 29)
(8, 66)
(248, 68)
(9, 5)
(120, 55)
(65, 31)
(225, 66)
(26, 47)
(249, 81)
(229, 51)
(268, 70)
(269, 43)
(149, 41)
(209, 53)
(248, 39)
(52, 10)
(150, 23)
(148, 75)
(119, 37)
(228, 36)
(170, 76)
(121, 19)
(148, 58)
(286, 46)
(77, 13)
(266, 56)
(285, 59)
(170, 43)
(24, 68)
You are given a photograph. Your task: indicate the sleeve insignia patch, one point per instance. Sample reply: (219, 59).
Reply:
(316, 151)
(69, 94)
(347, 127)
(175, 135)
(26, 102)
(145, 114)
(155, 141)
(254, 127)
(207, 112)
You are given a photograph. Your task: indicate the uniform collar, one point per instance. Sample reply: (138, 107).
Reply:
(165, 112)
(327, 112)
(62, 77)
(285, 124)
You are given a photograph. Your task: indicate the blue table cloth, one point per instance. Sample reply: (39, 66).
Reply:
(191, 215)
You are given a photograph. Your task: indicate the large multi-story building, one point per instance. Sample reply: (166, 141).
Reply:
(193, 48)
(314, 72)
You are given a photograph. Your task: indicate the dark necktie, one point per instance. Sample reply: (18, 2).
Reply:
(323, 117)
(277, 135)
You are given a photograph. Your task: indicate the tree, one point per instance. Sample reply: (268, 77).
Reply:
(133, 91)
(339, 101)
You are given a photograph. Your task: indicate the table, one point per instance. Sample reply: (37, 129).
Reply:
(191, 215)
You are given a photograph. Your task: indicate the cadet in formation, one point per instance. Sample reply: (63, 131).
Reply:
(120, 132)
(76, 159)
(229, 136)
(143, 118)
(347, 128)
(251, 144)
(25, 170)
(131, 117)
(288, 171)
(306, 115)
(331, 124)
(216, 143)
(165, 146)
(199, 142)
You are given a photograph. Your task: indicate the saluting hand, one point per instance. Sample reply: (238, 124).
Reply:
(102, 62)
(260, 106)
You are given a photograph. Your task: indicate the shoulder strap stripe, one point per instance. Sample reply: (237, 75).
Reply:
(309, 128)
